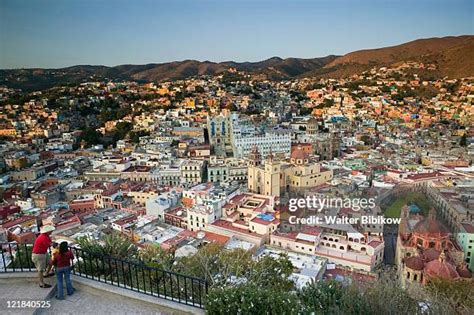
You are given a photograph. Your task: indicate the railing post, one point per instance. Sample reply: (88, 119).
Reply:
(192, 291)
(200, 293)
(28, 257)
(164, 283)
(179, 288)
(110, 271)
(144, 281)
(99, 271)
(18, 253)
(186, 289)
(3, 260)
(136, 276)
(171, 286)
(118, 273)
(157, 283)
(130, 274)
(12, 258)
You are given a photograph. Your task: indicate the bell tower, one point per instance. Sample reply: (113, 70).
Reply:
(255, 157)
(254, 176)
(272, 176)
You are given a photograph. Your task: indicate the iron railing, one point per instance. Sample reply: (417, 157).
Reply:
(127, 274)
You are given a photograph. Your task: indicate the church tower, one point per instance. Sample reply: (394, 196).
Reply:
(272, 176)
(263, 178)
(254, 176)
(255, 157)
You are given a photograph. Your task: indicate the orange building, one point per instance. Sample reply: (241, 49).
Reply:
(426, 251)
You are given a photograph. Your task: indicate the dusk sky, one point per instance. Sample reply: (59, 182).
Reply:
(59, 33)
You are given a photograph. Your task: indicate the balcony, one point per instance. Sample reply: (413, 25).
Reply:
(103, 284)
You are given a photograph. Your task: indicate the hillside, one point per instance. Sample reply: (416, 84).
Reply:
(454, 57)
(273, 68)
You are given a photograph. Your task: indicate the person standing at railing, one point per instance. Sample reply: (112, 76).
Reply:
(62, 263)
(39, 253)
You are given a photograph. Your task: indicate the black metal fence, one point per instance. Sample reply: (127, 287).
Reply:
(131, 275)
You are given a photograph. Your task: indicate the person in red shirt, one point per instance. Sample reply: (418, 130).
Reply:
(62, 262)
(39, 253)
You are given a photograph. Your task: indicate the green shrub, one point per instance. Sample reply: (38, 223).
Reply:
(251, 299)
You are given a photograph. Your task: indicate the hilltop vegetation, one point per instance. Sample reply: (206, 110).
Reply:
(453, 56)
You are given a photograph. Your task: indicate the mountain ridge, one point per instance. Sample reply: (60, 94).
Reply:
(453, 56)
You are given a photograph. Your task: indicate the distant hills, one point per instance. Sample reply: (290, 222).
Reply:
(454, 57)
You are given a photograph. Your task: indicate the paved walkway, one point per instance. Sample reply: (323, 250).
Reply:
(85, 300)
(15, 290)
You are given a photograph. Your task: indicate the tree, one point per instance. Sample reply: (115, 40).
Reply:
(199, 89)
(113, 244)
(222, 267)
(90, 136)
(385, 89)
(463, 141)
(305, 111)
(214, 264)
(248, 298)
(135, 135)
(366, 139)
(327, 103)
(155, 256)
(106, 259)
(22, 257)
(174, 143)
(457, 294)
(272, 273)
(325, 297)
(121, 130)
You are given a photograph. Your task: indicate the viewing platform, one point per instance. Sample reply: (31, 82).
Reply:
(90, 297)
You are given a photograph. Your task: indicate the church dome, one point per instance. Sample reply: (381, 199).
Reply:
(463, 271)
(440, 268)
(414, 263)
(299, 154)
(312, 121)
(430, 227)
(431, 254)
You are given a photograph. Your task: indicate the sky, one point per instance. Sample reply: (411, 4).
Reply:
(59, 33)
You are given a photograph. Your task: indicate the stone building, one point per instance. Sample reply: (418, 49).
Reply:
(426, 251)
(271, 176)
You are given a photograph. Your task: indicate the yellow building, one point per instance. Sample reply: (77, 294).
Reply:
(141, 197)
(190, 102)
(11, 132)
(272, 176)
(302, 172)
(263, 178)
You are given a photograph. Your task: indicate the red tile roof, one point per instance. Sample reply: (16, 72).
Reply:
(469, 227)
